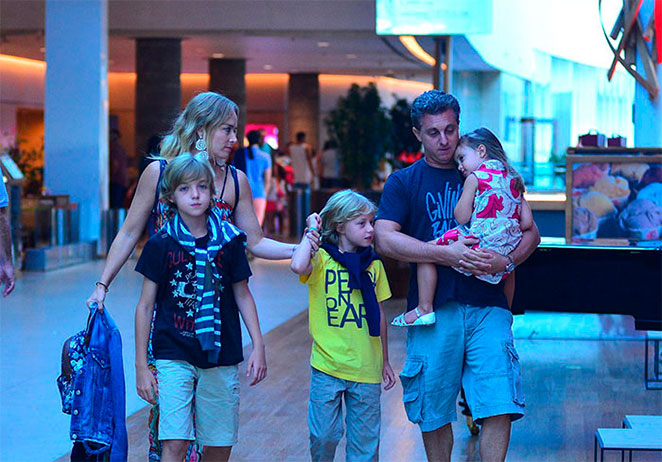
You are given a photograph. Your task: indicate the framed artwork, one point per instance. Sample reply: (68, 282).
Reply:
(614, 199)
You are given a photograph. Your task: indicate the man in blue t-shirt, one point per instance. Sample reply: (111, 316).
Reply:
(471, 344)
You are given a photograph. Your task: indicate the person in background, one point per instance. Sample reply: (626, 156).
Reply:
(256, 164)
(384, 170)
(301, 155)
(328, 166)
(7, 277)
(119, 178)
(302, 162)
(264, 146)
(275, 211)
(151, 153)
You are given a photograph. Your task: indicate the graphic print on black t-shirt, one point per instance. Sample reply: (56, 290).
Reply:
(440, 205)
(165, 262)
(182, 286)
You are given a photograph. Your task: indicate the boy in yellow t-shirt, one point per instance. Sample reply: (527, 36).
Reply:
(346, 286)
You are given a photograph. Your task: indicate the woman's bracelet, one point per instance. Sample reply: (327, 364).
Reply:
(99, 283)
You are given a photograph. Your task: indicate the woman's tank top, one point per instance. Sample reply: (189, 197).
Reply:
(161, 213)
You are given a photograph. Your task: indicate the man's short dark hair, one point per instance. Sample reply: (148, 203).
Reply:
(433, 102)
(301, 136)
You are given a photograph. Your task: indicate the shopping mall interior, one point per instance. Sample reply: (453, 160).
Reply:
(581, 126)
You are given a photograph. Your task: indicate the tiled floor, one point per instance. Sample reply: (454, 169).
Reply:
(580, 372)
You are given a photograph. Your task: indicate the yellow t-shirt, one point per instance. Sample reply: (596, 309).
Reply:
(342, 345)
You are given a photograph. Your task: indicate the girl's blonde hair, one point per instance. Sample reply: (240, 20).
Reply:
(494, 150)
(208, 111)
(341, 208)
(185, 168)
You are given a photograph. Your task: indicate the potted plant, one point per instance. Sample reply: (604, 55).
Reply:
(406, 148)
(360, 126)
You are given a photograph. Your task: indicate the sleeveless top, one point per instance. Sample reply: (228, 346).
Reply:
(161, 213)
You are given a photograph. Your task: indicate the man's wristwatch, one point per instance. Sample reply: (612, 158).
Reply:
(510, 266)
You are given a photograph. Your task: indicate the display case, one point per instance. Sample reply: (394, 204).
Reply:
(614, 196)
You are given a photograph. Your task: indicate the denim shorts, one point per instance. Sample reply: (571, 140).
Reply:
(216, 393)
(468, 345)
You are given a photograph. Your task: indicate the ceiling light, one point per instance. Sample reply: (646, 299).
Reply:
(323, 44)
(415, 49)
(267, 67)
(218, 55)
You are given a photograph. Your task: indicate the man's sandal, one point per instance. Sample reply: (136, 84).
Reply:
(421, 319)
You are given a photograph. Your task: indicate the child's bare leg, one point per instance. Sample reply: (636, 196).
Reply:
(174, 450)
(216, 453)
(426, 274)
(509, 289)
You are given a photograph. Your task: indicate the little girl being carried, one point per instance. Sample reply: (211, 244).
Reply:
(490, 209)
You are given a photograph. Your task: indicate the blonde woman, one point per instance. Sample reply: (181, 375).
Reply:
(207, 124)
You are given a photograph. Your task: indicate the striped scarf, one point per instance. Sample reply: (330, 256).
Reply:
(208, 279)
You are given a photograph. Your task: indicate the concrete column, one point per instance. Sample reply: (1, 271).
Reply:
(647, 113)
(228, 77)
(158, 89)
(76, 107)
(304, 108)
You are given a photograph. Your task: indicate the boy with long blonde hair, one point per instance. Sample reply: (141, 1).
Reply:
(346, 287)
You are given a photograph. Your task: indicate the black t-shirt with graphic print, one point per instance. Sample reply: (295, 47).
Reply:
(166, 262)
(421, 199)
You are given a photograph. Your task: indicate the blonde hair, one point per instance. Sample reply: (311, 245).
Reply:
(185, 168)
(205, 111)
(341, 208)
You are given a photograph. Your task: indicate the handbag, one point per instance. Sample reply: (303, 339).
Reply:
(593, 138)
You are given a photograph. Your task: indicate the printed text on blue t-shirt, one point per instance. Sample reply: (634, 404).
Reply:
(440, 206)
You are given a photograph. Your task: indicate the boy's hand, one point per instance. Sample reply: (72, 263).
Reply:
(146, 385)
(388, 376)
(313, 221)
(257, 366)
(314, 238)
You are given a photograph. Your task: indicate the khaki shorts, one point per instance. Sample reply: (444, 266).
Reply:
(216, 403)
